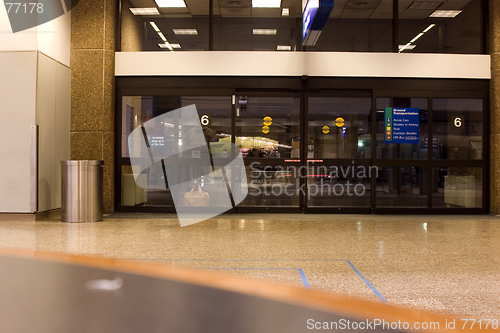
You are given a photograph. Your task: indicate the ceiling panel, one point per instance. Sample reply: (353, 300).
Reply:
(338, 8)
(235, 12)
(266, 12)
(454, 4)
(415, 14)
(143, 3)
(403, 5)
(356, 13)
(383, 10)
(203, 11)
(364, 4)
(235, 3)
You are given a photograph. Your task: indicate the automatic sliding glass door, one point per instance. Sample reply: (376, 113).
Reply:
(339, 151)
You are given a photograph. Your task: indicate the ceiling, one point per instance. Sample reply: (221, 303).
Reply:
(375, 9)
(354, 26)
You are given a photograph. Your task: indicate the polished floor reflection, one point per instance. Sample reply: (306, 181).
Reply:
(448, 264)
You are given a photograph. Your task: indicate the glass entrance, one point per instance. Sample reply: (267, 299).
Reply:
(316, 151)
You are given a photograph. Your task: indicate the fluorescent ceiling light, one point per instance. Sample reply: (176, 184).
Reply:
(185, 31)
(406, 47)
(145, 11)
(166, 46)
(162, 36)
(170, 3)
(285, 12)
(417, 37)
(284, 48)
(176, 46)
(264, 31)
(266, 3)
(445, 13)
(428, 28)
(154, 26)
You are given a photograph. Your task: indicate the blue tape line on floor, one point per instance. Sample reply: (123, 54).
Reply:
(304, 279)
(379, 295)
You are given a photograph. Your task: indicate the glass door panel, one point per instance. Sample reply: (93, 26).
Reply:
(339, 128)
(151, 188)
(268, 133)
(268, 127)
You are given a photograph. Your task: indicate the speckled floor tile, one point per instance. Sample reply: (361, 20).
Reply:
(448, 264)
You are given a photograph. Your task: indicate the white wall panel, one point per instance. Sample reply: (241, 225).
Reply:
(17, 111)
(53, 119)
(62, 126)
(218, 63)
(45, 119)
(398, 65)
(332, 64)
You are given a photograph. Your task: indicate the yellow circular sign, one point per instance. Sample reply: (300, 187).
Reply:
(265, 129)
(325, 129)
(339, 122)
(267, 121)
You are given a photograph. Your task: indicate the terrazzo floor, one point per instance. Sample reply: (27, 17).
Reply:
(445, 264)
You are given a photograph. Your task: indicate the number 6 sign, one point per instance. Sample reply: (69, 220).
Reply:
(206, 120)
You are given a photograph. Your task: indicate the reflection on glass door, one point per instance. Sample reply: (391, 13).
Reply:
(339, 130)
(268, 133)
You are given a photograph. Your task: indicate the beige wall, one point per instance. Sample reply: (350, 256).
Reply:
(131, 30)
(495, 107)
(92, 87)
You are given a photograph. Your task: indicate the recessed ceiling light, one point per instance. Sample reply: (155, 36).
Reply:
(401, 49)
(445, 13)
(417, 37)
(185, 31)
(409, 47)
(162, 36)
(166, 46)
(428, 28)
(285, 11)
(170, 3)
(266, 3)
(284, 48)
(145, 11)
(264, 31)
(176, 46)
(154, 26)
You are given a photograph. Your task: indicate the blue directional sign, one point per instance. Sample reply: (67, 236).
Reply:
(314, 17)
(402, 125)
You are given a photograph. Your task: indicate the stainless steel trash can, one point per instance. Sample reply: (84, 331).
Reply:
(81, 191)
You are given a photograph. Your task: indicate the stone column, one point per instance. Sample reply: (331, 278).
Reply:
(495, 107)
(92, 87)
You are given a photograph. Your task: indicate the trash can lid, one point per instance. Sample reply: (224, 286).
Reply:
(83, 162)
